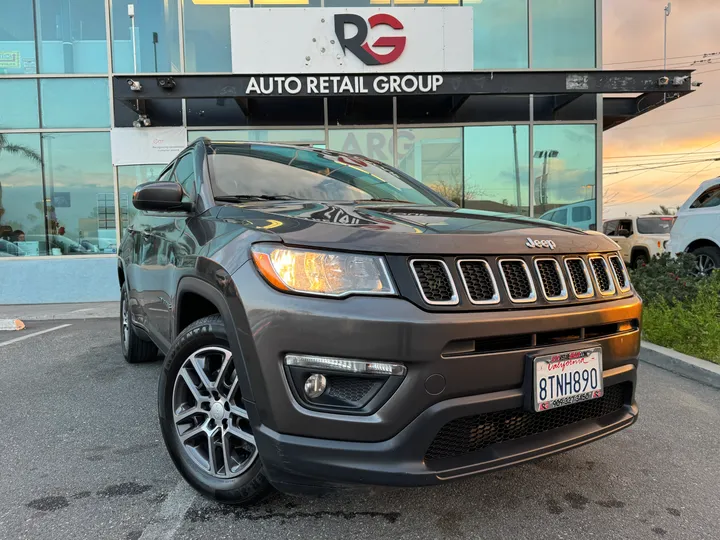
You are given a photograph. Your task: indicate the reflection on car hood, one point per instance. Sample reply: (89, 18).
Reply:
(396, 228)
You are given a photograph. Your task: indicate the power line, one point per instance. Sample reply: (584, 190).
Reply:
(704, 55)
(644, 126)
(660, 155)
(663, 190)
(663, 166)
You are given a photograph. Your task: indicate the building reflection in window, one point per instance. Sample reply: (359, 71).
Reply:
(79, 193)
(17, 38)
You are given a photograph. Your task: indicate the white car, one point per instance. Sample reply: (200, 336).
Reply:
(640, 237)
(697, 227)
(580, 215)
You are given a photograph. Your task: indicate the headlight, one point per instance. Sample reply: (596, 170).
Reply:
(321, 272)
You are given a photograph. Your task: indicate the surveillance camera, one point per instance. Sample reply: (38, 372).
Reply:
(168, 83)
(142, 121)
(679, 81)
(146, 122)
(135, 86)
(664, 81)
(696, 84)
(137, 124)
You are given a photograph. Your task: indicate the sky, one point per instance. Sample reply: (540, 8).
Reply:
(680, 133)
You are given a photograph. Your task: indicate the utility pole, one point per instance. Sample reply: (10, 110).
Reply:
(131, 14)
(667, 14)
(517, 171)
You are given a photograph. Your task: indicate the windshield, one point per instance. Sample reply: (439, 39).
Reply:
(655, 225)
(318, 175)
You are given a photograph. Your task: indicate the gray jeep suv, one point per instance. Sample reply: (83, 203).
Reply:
(328, 320)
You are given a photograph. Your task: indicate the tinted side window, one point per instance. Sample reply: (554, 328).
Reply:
(560, 216)
(708, 199)
(581, 213)
(609, 228)
(625, 225)
(185, 174)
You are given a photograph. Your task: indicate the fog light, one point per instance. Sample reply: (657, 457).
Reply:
(315, 385)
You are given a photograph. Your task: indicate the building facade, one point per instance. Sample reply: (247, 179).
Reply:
(70, 155)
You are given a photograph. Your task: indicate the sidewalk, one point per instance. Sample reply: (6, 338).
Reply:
(49, 312)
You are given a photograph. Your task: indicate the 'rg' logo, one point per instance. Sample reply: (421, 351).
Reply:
(357, 43)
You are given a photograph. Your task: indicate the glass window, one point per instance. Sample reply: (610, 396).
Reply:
(708, 199)
(71, 35)
(17, 37)
(434, 156)
(563, 34)
(185, 174)
(565, 171)
(129, 177)
(22, 216)
(560, 216)
(610, 227)
(207, 35)
(154, 27)
(288, 136)
(75, 103)
(373, 143)
(79, 193)
(19, 104)
(655, 225)
(258, 169)
(495, 162)
(500, 34)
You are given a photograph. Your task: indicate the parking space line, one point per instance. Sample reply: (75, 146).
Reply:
(8, 342)
(170, 516)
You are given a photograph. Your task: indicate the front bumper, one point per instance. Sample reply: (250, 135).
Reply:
(300, 447)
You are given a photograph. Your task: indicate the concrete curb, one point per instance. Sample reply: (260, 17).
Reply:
(63, 312)
(687, 366)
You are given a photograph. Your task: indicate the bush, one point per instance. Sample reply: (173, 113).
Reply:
(691, 326)
(669, 279)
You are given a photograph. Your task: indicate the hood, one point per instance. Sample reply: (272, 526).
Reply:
(407, 229)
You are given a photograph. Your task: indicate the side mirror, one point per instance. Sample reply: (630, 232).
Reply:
(160, 197)
(624, 233)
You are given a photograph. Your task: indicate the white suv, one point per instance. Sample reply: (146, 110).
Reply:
(640, 237)
(697, 228)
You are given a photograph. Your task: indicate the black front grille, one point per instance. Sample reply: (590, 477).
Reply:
(603, 279)
(434, 281)
(576, 269)
(619, 271)
(478, 280)
(516, 277)
(550, 278)
(352, 389)
(473, 433)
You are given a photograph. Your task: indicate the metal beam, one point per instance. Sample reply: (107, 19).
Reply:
(469, 83)
(618, 110)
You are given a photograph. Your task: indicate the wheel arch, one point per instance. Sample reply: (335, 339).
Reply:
(636, 250)
(193, 287)
(700, 243)
(121, 272)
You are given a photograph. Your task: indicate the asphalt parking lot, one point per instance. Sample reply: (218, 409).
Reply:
(82, 458)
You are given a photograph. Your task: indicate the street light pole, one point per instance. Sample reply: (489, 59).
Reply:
(667, 14)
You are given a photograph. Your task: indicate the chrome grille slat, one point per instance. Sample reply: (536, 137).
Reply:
(435, 282)
(578, 272)
(479, 281)
(601, 272)
(552, 281)
(518, 280)
(621, 273)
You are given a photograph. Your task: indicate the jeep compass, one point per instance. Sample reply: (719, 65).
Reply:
(327, 320)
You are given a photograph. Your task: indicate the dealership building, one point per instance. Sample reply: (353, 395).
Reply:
(500, 105)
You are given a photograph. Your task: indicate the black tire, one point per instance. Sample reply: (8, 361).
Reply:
(639, 258)
(135, 350)
(251, 485)
(708, 259)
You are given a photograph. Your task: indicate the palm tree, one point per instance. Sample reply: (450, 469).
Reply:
(662, 211)
(17, 149)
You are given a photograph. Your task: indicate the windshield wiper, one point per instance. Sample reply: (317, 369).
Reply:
(243, 198)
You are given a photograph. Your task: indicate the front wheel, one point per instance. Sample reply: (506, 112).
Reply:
(707, 260)
(203, 419)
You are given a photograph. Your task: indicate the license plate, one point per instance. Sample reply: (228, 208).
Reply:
(567, 378)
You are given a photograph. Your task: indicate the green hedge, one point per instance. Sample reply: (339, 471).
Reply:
(682, 311)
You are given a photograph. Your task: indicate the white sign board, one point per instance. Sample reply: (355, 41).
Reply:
(147, 146)
(351, 40)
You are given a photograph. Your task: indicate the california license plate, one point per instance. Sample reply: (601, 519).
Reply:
(566, 378)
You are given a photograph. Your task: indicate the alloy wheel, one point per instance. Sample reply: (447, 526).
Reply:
(209, 418)
(705, 264)
(125, 322)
